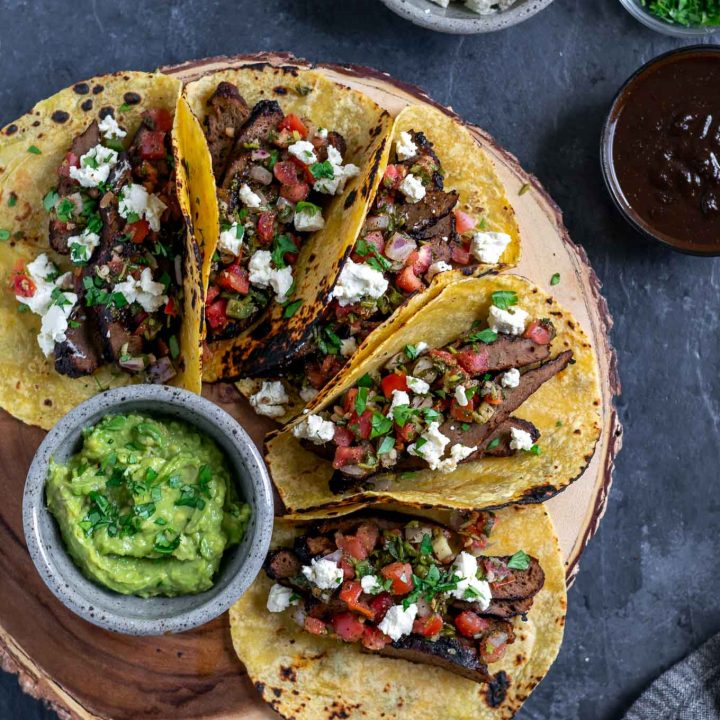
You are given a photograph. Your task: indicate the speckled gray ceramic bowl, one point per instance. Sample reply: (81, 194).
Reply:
(126, 613)
(458, 19)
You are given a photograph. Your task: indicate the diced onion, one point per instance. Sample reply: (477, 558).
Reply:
(377, 222)
(259, 155)
(399, 247)
(260, 174)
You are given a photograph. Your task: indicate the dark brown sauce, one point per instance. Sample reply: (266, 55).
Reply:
(666, 148)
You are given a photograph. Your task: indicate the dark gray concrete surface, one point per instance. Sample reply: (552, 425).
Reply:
(646, 592)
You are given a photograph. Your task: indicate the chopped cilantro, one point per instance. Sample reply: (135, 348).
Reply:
(322, 170)
(307, 207)
(504, 299)
(12, 200)
(386, 446)
(35, 150)
(519, 561)
(411, 352)
(555, 279)
(380, 425)
(290, 308)
(4, 235)
(282, 244)
(485, 336)
(361, 400)
(493, 444)
(365, 381)
(524, 188)
(50, 200)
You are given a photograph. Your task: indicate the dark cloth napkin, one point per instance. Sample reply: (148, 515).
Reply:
(688, 691)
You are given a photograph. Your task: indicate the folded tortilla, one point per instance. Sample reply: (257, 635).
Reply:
(565, 410)
(308, 677)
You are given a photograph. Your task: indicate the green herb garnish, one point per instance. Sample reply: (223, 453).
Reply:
(519, 561)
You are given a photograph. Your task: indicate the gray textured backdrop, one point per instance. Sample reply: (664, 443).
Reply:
(645, 596)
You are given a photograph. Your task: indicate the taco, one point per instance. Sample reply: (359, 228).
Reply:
(440, 213)
(488, 394)
(389, 615)
(295, 160)
(95, 248)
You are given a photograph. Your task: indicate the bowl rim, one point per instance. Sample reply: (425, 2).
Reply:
(472, 25)
(607, 162)
(645, 17)
(216, 603)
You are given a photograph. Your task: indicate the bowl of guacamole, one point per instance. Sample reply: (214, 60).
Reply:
(148, 510)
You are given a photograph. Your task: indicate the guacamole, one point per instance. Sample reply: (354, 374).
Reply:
(147, 507)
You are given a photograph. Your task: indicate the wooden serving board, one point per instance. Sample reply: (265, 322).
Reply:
(86, 672)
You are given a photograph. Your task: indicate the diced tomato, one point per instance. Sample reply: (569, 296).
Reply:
(152, 145)
(343, 437)
(406, 433)
(304, 170)
(460, 255)
(71, 160)
(293, 123)
(492, 648)
(286, 172)
(392, 382)
(428, 626)
(470, 624)
(361, 425)
(171, 308)
(216, 314)
(350, 594)
(347, 626)
(22, 284)
(393, 176)
(463, 222)
(444, 356)
(351, 546)
(347, 567)
(315, 626)
(235, 279)
(474, 362)
(212, 292)
(138, 230)
(161, 119)
(342, 312)
(368, 535)
(420, 260)
(408, 281)
(492, 399)
(462, 413)
(373, 638)
(537, 332)
(400, 574)
(295, 193)
(266, 227)
(380, 604)
(348, 456)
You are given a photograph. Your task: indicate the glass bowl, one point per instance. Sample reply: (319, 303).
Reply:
(641, 13)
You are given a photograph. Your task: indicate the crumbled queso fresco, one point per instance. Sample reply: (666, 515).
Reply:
(481, 7)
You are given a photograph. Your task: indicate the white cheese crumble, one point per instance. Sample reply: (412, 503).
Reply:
(81, 246)
(110, 129)
(308, 393)
(322, 132)
(279, 598)
(150, 295)
(95, 166)
(465, 567)
(270, 400)
(348, 346)
(229, 241)
(441, 3)
(399, 397)
(371, 585)
(438, 267)
(412, 188)
(405, 148)
(341, 174)
(315, 429)
(511, 321)
(458, 452)
(488, 247)
(357, 281)
(308, 219)
(304, 151)
(54, 324)
(520, 439)
(511, 378)
(398, 621)
(248, 198)
(421, 347)
(136, 200)
(431, 451)
(418, 386)
(460, 396)
(263, 274)
(323, 573)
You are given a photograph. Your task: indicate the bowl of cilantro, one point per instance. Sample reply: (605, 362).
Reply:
(680, 18)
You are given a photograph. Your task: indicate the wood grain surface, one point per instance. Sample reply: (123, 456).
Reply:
(86, 672)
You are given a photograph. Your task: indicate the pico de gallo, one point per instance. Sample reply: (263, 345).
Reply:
(116, 226)
(437, 407)
(407, 588)
(273, 173)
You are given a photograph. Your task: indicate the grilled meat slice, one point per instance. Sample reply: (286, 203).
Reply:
(426, 162)
(505, 609)
(80, 145)
(282, 565)
(337, 141)
(121, 174)
(58, 234)
(227, 113)
(78, 354)
(524, 583)
(261, 124)
(433, 207)
(454, 654)
(443, 229)
(503, 449)
(113, 330)
(510, 351)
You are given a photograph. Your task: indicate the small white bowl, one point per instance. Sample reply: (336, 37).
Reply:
(459, 20)
(641, 13)
(127, 613)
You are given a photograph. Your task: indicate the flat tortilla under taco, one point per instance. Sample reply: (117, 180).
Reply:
(486, 395)
(441, 615)
(295, 159)
(100, 266)
(439, 214)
